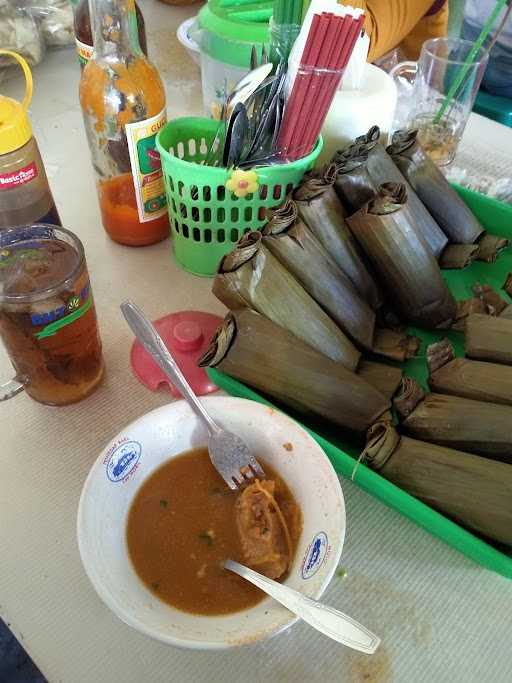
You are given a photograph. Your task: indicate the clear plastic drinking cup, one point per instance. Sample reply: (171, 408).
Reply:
(423, 87)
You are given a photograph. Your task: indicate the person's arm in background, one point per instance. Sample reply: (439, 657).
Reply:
(407, 23)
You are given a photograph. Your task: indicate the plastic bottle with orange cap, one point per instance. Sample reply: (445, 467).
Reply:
(25, 196)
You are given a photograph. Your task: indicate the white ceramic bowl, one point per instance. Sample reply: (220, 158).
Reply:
(183, 34)
(164, 433)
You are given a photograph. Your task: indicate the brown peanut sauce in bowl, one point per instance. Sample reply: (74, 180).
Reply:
(184, 522)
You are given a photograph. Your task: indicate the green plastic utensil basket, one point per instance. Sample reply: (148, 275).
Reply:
(206, 219)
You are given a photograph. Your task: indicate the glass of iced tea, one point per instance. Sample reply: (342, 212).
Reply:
(47, 317)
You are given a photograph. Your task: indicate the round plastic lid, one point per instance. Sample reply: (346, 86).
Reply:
(186, 334)
(230, 31)
(245, 21)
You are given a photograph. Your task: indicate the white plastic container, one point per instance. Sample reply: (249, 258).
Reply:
(190, 45)
(217, 78)
(353, 112)
(226, 33)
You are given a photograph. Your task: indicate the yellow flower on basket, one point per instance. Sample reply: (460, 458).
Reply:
(242, 183)
(216, 111)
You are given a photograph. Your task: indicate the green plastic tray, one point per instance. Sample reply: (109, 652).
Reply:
(497, 218)
(494, 107)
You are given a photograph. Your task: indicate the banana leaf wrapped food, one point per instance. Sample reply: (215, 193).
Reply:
(465, 308)
(322, 211)
(489, 338)
(486, 301)
(490, 247)
(507, 285)
(253, 349)
(385, 228)
(477, 380)
(507, 312)
(353, 183)
(493, 302)
(395, 345)
(298, 250)
(407, 399)
(451, 213)
(456, 422)
(380, 168)
(458, 256)
(474, 491)
(383, 377)
(250, 276)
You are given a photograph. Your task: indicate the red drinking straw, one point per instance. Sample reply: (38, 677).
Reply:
(352, 29)
(329, 45)
(301, 84)
(295, 108)
(294, 101)
(329, 78)
(349, 44)
(315, 80)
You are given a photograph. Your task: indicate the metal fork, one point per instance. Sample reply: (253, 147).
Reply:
(229, 454)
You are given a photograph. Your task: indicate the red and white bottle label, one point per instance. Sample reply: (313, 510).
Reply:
(84, 52)
(19, 177)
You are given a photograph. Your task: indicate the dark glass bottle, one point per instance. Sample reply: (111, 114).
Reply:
(83, 31)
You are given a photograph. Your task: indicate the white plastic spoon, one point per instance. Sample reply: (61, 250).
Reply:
(329, 621)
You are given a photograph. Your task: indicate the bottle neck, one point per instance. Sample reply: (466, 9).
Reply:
(115, 28)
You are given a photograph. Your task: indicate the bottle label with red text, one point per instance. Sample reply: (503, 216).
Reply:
(146, 166)
(19, 177)
(83, 51)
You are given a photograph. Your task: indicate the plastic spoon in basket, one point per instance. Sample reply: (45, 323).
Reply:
(229, 454)
(327, 620)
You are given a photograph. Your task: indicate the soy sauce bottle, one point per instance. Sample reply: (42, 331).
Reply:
(83, 30)
(25, 196)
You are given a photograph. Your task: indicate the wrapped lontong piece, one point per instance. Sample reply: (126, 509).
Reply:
(458, 256)
(477, 380)
(386, 230)
(473, 426)
(250, 276)
(322, 211)
(380, 168)
(471, 490)
(353, 184)
(451, 213)
(253, 349)
(489, 338)
(298, 250)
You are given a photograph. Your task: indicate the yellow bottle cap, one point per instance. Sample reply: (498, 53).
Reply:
(15, 128)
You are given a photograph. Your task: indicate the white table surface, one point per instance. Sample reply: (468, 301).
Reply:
(441, 617)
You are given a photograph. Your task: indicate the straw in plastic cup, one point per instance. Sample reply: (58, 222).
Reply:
(470, 59)
(433, 77)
